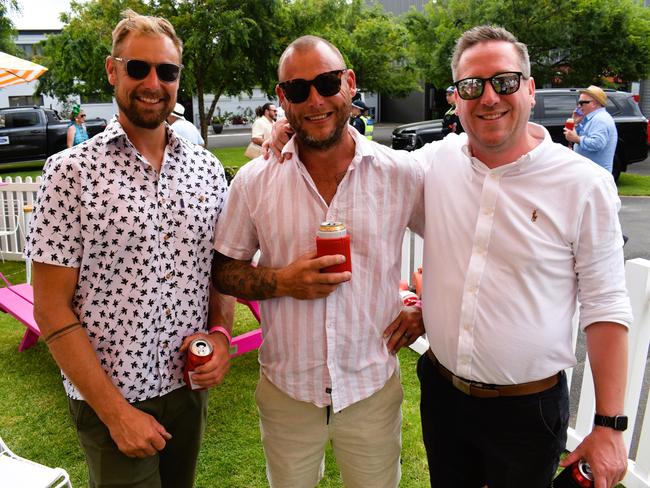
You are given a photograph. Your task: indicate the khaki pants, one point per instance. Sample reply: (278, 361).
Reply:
(366, 438)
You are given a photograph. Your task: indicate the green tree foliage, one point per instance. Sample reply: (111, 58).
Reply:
(571, 42)
(229, 47)
(76, 57)
(374, 43)
(7, 32)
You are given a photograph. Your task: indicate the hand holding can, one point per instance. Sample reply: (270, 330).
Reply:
(199, 352)
(332, 238)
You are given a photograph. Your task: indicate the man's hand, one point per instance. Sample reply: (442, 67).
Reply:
(280, 135)
(136, 433)
(214, 371)
(303, 280)
(405, 329)
(604, 450)
(571, 135)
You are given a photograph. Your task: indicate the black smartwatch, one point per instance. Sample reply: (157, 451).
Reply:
(617, 423)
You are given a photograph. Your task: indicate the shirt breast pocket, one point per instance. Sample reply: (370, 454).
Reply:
(198, 214)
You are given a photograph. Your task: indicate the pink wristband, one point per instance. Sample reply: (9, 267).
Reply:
(218, 328)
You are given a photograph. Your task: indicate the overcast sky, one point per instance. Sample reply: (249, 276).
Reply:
(39, 14)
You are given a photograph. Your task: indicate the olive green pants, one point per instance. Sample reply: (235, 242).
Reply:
(182, 412)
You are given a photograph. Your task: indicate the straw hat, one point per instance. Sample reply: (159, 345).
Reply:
(596, 93)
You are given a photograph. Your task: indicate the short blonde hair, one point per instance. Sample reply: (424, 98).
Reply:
(143, 24)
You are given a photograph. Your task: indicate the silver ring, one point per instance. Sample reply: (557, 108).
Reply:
(406, 335)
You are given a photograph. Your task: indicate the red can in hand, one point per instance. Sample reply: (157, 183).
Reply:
(578, 475)
(199, 352)
(569, 124)
(332, 238)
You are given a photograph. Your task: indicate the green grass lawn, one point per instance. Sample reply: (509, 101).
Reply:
(233, 157)
(35, 423)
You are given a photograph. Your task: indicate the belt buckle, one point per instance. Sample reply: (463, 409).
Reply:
(461, 385)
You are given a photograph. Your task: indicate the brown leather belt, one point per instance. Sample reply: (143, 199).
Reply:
(484, 390)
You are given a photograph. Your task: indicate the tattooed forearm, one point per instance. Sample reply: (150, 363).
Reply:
(240, 279)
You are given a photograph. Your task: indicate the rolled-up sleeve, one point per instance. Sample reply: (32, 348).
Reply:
(599, 260)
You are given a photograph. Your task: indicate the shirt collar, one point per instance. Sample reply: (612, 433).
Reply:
(363, 148)
(114, 131)
(537, 131)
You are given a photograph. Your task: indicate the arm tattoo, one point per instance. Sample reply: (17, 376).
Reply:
(240, 279)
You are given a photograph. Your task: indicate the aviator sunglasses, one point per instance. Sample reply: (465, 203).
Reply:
(327, 84)
(139, 70)
(503, 84)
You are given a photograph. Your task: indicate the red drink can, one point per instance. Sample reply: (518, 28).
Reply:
(578, 475)
(569, 124)
(409, 298)
(199, 352)
(332, 238)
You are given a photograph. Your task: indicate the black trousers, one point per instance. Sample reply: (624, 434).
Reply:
(504, 442)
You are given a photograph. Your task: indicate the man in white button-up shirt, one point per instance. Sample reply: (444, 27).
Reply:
(329, 371)
(518, 230)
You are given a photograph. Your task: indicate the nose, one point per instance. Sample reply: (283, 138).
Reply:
(489, 96)
(151, 80)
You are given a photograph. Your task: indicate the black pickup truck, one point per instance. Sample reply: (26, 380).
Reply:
(552, 107)
(33, 133)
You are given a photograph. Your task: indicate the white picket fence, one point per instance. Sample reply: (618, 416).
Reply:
(16, 195)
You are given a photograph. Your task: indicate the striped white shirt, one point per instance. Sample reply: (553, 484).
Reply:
(327, 351)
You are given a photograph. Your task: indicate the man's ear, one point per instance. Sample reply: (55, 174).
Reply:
(351, 80)
(110, 70)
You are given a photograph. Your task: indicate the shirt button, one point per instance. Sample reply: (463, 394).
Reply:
(169, 275)
(166, 237)
(168, 312)
(201, 198)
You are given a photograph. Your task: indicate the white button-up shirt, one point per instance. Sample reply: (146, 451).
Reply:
(312, 347)
(143, 244)
(509, 250)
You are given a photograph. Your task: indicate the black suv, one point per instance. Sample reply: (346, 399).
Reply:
(552, 107)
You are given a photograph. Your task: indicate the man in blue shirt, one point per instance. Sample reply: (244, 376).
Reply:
(595, 135)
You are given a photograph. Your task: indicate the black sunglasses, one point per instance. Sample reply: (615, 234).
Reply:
(327, 84)
(503, 84)
(139, 70)
(584, 102)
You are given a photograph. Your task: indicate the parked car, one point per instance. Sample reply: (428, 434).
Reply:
(33, 133)
(553, 106)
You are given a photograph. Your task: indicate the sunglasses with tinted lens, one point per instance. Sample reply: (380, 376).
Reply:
(138, 69)
(584, 102)
(503, 84)
(326, 84)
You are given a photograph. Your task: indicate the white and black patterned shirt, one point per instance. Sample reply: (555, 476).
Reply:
(143, 244)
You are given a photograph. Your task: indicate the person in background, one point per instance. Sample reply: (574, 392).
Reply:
(121, 243)
(262, 126)
(77, 132)
(328, 367)
(450, 121)
(356, 116)
(184, 127)
(595, 135)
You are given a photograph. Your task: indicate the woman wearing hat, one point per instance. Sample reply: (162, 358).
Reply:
(77, 132)
(595, 135)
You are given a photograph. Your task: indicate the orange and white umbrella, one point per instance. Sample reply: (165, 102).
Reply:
(14, 70)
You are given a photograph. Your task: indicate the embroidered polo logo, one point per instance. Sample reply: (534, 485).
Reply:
(533, 216)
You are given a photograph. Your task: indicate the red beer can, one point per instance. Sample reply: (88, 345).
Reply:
(332, 238)
(199, 352)
(409, 298)
(577, 475)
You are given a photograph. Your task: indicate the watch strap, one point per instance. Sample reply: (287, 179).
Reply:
(618, 422)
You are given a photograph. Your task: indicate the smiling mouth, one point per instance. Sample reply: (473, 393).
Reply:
(316, 118)
(492, 116)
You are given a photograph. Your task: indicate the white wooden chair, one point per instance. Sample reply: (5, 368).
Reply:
(9, 226)
(17, 471)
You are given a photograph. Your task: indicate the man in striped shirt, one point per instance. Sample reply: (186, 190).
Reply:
(328, 365)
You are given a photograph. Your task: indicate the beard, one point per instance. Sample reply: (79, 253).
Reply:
(145, 119)
(312, 142)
